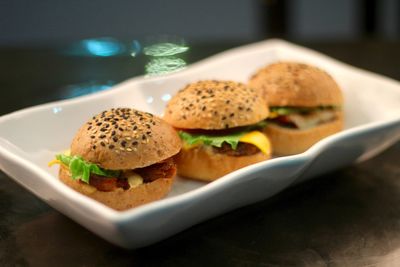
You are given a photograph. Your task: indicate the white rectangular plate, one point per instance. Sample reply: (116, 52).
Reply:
(31, 137)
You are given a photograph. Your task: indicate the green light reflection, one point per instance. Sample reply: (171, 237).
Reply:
(163, 65)
(164, 49)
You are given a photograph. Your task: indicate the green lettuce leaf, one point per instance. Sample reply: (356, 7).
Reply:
(211, 140)
(290, 110)
(217, 140)
(80, 169)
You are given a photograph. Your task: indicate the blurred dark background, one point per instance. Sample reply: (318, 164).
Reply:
(49, 22)
(54, 49)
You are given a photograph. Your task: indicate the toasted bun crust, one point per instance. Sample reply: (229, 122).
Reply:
(121, 199)
(215, 105)
(287, 141)
(125, 138)
(296, 84)
(203, 164)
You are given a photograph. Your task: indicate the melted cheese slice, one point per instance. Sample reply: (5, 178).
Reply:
(259, 140)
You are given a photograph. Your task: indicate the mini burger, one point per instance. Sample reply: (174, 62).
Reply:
(122, 158)
(219, 123)
(305, 104)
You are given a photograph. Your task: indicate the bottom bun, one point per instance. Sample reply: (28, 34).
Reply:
(121, 199)
(286, 141)
(202, 163)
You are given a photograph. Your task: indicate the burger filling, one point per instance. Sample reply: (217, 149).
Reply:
(302, 118)
(109, 180)
(241, 141)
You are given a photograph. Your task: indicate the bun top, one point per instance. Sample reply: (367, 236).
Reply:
(125, 138)
(296, 84)
(214, 105)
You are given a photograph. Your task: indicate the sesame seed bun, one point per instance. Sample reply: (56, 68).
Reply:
(121, 199)
(287, 141)
(202, 163)
(125, 138)
(297, 85)
(214, 105)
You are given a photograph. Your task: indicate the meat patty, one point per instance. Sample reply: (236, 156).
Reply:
(108, 184)
(164, 169)
(243, 149)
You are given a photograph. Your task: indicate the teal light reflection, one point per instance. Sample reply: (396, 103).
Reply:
(99, 47)
(135, 48)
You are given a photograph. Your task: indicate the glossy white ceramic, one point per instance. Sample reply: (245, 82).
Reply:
(31, 137)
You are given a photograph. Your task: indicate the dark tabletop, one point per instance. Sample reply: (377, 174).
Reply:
(350, 217)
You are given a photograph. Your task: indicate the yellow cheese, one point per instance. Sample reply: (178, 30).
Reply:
(186, 146)
(54, 161)
(273, 115)
(258, 139)
(135, 180)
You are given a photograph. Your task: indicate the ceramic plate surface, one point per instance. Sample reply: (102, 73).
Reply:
(30, 138)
